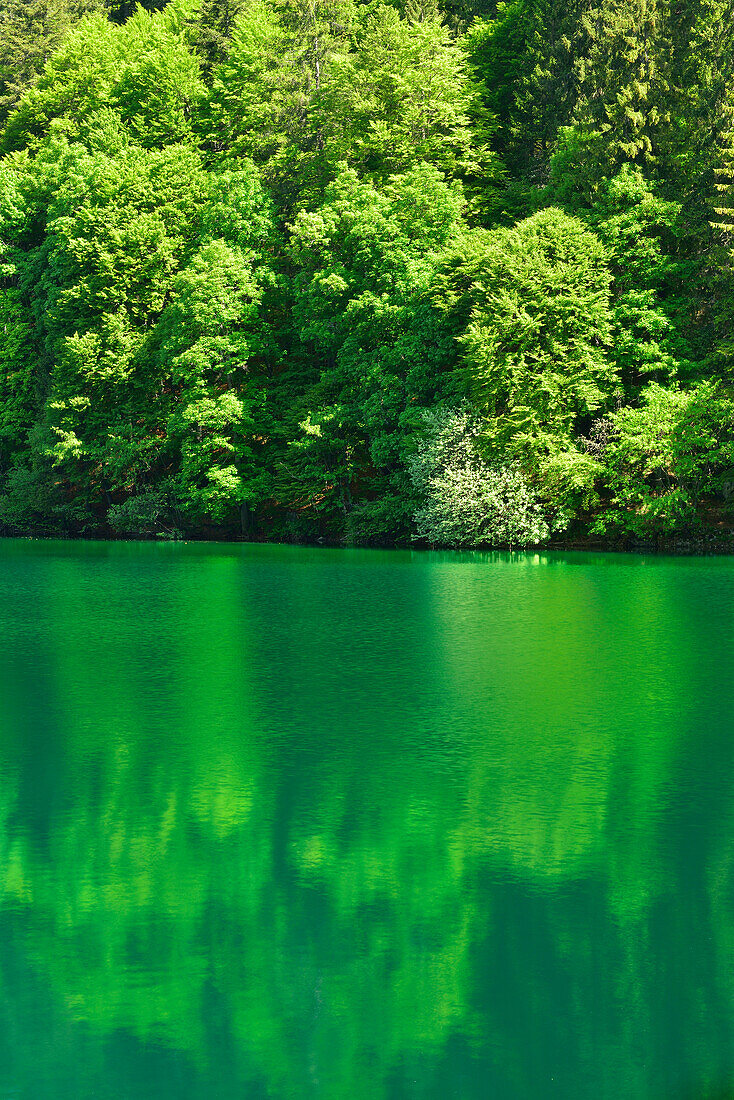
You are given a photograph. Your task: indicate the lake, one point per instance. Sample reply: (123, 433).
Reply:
(352, 824)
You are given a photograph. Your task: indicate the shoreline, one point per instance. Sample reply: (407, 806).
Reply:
(692, 546)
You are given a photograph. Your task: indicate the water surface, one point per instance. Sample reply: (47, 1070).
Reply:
(280, 822)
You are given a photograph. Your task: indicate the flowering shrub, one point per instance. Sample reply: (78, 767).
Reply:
(465, 501)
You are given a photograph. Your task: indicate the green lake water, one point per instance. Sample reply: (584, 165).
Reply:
(285, 822)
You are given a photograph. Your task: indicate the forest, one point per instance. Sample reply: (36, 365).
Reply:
(452, 273)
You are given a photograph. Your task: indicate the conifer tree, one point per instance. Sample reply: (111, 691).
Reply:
(418, 11)
(722, 220)
(701, 57)
(524, 63)
(722, 224)
(702, 68)
(215, 24)
(548, 89)
(121, 10)
(621, 79)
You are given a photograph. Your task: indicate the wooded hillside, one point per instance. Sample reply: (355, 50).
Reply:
(326, 269)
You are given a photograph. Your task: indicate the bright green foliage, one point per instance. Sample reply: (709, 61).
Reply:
(145, 71)
(649, 317)
(124, 395)
(402, 95)
(640, 231)
(664, 457)
(30, 31)
(533, 306)
(18, 371)
(211, 334)
(112, 249)
(19, 353)
(363, 312)
(251, 252)
(252, 104)
(265, 97)
(302, 93)
(536, 342)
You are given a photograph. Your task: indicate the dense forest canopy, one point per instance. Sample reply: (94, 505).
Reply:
(363, 271)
